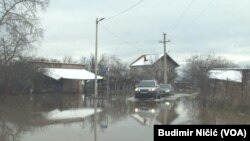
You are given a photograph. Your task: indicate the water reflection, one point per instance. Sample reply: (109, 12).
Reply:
(15, 117)
(20, 114)
(145, 112)
(70, 117)
(187, 111)
(151, 112)
(184, 110)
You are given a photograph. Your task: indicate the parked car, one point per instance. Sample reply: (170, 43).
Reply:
(166, 89)
(147, 89)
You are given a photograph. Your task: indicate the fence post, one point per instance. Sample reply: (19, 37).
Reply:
(215, 83)
(226, 89)
(242, 87)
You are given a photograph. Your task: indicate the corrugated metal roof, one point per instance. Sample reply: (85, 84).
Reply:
(80, 74)
(230, 75)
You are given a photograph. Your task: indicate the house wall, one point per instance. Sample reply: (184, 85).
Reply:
(155, 71)
(72, 86)
(46, 85)
(158, 68)
(141, 72)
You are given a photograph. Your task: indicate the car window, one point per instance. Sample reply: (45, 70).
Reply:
(146, 84)
(165, 86)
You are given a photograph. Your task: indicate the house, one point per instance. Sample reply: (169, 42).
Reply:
(151, 66)
(62, 77)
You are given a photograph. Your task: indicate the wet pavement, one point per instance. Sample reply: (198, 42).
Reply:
(70, 117)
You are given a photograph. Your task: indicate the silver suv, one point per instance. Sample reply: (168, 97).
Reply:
(147, 89)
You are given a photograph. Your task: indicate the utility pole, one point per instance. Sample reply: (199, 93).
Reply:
(96, 88)
(165, 57)
(96, 54)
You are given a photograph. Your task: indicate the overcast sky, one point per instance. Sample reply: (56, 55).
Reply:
(193, 26)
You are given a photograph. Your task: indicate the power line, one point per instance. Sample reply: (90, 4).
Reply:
(113, 34)
(124, 11)
(196, 18)
(184, 13)
(118, 37)
(202, 12)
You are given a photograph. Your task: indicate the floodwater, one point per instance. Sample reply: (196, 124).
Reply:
(71, 117)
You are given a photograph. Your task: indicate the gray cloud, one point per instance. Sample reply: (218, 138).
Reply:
(207, 25)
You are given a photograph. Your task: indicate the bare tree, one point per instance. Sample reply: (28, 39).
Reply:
(198, 66)
(89, 63)
(110, 67)
(68, 59)
(119, 74)
(55, 60)
(19, 26)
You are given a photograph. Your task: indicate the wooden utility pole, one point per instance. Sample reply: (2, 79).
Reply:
(165, 57)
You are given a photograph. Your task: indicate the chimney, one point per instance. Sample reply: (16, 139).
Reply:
(145, 58)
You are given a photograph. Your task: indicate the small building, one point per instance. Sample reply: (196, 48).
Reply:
(230, 83)
(237, 75)
(43, 64)
(65, 78)
(151, 66)
(226, 75)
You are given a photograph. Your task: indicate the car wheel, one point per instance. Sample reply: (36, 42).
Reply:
(155, 97)
(136, 96)
(159, 96)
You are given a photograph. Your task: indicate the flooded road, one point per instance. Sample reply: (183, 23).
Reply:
(70, 117)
